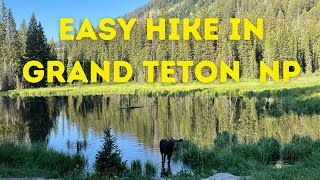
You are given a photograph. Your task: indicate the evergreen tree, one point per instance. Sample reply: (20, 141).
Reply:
(11, 30)
(53, 50)
(23, 34)
(108, 160)
(4, 17)
(17, 57)
(10, 50)
(37, 47)
(3, 48)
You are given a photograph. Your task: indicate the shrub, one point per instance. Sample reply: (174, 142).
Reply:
(136, 168)
(189, 153)
(245, 151)
(222, 139)
(269, 149)
(151, 170)
(299, 148)
(226, 158)
(196, 156)
(108, 160)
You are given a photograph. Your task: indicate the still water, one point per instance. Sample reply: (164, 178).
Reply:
(64, 122)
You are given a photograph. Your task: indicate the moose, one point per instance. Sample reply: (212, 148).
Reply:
(167, 146)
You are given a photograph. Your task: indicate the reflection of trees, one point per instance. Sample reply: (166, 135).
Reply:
(12, 128)
(192, 117)
(36, 115)
(300, 100)
(25, 119)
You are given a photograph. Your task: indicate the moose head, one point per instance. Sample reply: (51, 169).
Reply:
(176, 143)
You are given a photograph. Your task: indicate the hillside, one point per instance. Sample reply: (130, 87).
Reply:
(291, 33)
(291, 9)
(174, 8)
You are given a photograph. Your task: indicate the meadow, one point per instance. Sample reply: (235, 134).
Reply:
(245, 86)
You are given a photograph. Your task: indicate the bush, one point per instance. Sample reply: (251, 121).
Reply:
(151, 170)
(269, 149)
(192, 154)
(222, 139)
(136, 168)
(108, 160)
(299, 148)
(316, 145)
(225, 139)
(245, 151)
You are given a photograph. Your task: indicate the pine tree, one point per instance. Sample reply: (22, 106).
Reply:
(11, 52)
(3, 49)
(11, 29)
(17, 49)
(36, 46)
(4, 17)
(53, 50)
(108, 160)
(23, 34)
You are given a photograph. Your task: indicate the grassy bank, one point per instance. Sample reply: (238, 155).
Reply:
(266, 159)
(231, 88)
(37, 161)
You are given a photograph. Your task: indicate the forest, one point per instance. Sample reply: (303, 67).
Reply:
(291, 33)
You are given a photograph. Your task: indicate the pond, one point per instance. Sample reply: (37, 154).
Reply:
(65, 122)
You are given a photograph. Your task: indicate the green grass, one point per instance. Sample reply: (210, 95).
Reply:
(136, 168)
(230, 88)
(266, 159)
(37, 161)
(151, 169)
(304, 169)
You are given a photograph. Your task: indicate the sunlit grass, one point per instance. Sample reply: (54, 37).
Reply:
(266, 159)
(216, 89)
(37, 160)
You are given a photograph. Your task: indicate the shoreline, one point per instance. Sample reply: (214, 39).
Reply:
(158, 89)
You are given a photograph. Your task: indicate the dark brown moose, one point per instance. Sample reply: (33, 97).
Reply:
(167, 146)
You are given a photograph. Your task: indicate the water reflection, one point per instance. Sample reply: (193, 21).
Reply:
(77, 122)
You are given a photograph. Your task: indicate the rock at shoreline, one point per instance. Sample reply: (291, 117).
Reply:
(223, 176)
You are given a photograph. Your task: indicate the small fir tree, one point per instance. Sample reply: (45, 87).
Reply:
(108, 160)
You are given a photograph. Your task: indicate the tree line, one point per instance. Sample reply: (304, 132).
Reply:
(291, 33)
(19, 45)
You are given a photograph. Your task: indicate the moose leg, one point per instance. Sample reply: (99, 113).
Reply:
(169, 157)
(162, 159)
